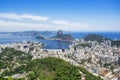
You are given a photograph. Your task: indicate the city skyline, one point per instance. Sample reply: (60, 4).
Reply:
(51, 15)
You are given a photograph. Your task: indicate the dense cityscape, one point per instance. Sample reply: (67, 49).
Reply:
(99, 58)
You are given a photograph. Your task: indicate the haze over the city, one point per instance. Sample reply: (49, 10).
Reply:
(68, 15)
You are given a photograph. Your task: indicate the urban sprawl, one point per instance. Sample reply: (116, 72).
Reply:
(100, 59)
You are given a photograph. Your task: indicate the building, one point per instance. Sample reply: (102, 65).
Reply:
(119, 60)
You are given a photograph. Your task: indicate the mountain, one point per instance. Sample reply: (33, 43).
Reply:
(37, 33)
(95, 37)
(99, 38)
(61, 36)
(46, 34)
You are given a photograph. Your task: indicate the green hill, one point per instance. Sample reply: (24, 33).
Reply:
(52, 69)
(56, 69)
(95, 37)
(99, 38)
(10, 58)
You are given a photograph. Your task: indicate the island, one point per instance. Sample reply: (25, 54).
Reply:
(63, 37)
(40, 37)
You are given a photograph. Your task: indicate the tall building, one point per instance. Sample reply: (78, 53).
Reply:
(119, 60)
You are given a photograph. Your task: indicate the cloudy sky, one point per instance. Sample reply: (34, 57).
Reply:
(68, 15)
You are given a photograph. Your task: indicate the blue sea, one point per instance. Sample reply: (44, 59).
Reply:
(53, 44)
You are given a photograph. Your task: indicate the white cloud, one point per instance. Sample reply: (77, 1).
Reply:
(60, 22)
(22, 26)
(25, 26)
(15, 22)
(23, 16)
(76, 26)
(67, 23)
(71, 26)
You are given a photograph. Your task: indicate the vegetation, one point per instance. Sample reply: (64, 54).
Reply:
(52, 69)
(95, 37)
(107, 65)
(12, 61)
(85, 60)
(99, 38)
(88, 76)
(84, 45)
(10, 78)
(117, 43)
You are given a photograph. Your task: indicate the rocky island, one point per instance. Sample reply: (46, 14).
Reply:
(63, 37)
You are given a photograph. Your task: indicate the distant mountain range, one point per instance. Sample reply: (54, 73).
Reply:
(32, 33)
(76, 35)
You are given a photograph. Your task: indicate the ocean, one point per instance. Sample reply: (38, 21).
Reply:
(53, 44)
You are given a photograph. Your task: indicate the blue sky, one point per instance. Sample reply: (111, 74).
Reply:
(68, 15)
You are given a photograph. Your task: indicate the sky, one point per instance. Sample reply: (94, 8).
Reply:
(52, 15)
